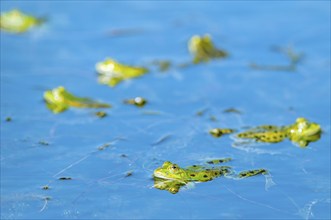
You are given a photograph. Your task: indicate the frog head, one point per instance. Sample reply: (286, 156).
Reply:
(170, 171)
(55, 99)
(302, 132)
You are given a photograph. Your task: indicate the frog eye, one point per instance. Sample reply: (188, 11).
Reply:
(174, 167)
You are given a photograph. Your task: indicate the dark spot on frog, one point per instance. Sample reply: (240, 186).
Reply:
(205, 176)
(192, 174)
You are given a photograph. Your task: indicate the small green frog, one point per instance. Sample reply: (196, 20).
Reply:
(15, 21)
(171, 177)
(302, 132)
(111, 72)
(203, 49)
(59, 100)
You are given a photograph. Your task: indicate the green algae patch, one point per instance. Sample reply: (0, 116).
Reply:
(293, 57)
(15, 21)
(232, 110)
(111, 72)
(162, 65)
(59, 100)
(101, 114)
(203, 49)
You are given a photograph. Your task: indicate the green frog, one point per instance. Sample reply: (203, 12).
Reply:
(112, 72)
(15, 21)
(171, 177)
(59, 100)
(203, 49)
(302, 132)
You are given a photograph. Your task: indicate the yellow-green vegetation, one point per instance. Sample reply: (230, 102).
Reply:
(218, 132)
(203, 49)
(293, 57)
(104, 146)
(213, 118)
(101, 114)
(137, 101)
(171, 177)
(163, 65)
(232, 110)
(302, 132)
(111, 72)
(59, 100)
(43, 142)
(15, 21)
(201, 112)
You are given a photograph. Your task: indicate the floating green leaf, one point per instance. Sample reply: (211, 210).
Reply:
(203, 49)
(111, 72)
(16, 21)
(59, 100)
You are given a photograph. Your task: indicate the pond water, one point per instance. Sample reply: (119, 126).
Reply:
(38, 147)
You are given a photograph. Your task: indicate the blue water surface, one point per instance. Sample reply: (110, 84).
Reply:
(77, 35)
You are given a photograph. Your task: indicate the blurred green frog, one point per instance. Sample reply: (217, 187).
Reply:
(111, 72)
(171, 177)
(15, 21)
(302, 132)
(203, 49)
(59, 100)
